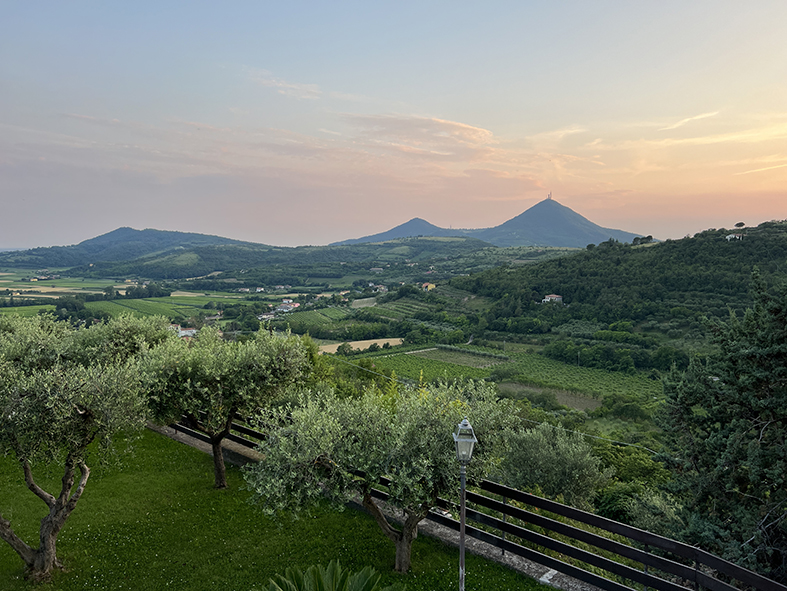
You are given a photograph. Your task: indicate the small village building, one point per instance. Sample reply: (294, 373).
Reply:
(184, 333)
(553, 297)
(287, 307)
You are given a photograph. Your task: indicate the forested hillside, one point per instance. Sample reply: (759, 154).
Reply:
(122, 244)
(704, 275)
(201, 260)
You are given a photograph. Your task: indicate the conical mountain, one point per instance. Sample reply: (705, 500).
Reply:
(549, 223)
(415, 227)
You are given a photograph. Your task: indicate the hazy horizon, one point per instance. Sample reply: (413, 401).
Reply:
(6, 249)
(309, 123)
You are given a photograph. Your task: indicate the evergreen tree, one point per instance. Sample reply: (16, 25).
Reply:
(727, 417)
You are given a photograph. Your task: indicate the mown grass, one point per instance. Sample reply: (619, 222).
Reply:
(156, 523)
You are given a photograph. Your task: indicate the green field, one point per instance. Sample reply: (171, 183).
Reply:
(460, 358)
(385, 312)
(545, 372)
(308, 318)
(411, 366)
(26, 310)
(334, 313)
(178, 307)
(149, 307)
(18, 280)
(525, 368)
(406, 307)
(156, 523)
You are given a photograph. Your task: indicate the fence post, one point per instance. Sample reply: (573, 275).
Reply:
(503, 550)
(647, 549)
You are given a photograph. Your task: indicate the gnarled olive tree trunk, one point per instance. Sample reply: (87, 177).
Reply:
(403, 539)
(216, 437)
(41, 561)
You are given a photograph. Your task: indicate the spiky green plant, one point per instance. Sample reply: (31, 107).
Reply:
(330, 578)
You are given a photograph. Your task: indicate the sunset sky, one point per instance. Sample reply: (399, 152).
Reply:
(296, 123)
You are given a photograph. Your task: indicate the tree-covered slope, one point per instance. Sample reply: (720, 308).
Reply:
(201, 260)
(705, 274)
(123, 244)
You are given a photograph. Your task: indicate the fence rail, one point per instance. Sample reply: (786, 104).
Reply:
(672, 572)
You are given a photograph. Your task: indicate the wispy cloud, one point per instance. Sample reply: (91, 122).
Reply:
(766, 133)
(557, 134)
(760, 169)
(90, 119)
(284, 87)
(421, 129)
(428, 139)
(683, 122)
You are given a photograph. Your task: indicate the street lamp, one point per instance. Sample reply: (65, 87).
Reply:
(464, 439)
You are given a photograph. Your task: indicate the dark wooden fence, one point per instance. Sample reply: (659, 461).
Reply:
(643, 561)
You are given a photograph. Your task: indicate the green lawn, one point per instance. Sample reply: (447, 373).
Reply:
(157, 523)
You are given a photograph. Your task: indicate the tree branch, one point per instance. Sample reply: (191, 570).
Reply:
(26, 553)
(762, 431)
(371, 507)
(68, 483)
(413, 519)
(37, 490)
(72, 502)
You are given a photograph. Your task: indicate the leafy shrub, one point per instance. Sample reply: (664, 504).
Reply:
(558, 462)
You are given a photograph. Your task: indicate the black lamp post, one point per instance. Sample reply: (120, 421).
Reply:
(464, 438)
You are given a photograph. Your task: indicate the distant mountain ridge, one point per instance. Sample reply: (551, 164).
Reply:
(547, 223)
(118, 245)
(170, 254)
(160, 254)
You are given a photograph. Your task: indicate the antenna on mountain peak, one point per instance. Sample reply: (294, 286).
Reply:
(550, 195)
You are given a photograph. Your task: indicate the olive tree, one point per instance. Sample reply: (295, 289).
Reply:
(339, 448)
(52, 417)
(210, 381)
(556, 462)
(57, 407)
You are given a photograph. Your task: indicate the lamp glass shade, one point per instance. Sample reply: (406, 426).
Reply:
(464, 439)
